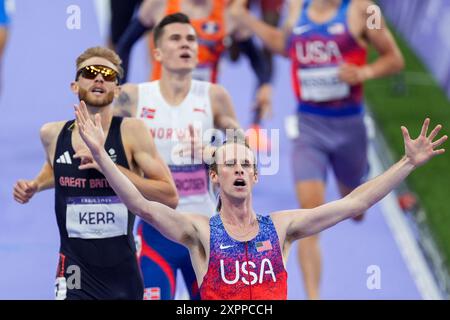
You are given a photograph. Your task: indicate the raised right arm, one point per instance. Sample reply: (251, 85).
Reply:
(273, 38)
(173, 225)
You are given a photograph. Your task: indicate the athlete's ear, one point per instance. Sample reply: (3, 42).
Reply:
(157, 54)
(214, 177)
(256, 177)
(74, 87)
(117, 91)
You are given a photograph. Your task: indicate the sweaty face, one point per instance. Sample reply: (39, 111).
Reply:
(177, 49)
(236, 172)
(96, 92)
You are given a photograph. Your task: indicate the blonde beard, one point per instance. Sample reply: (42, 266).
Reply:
(83, 95)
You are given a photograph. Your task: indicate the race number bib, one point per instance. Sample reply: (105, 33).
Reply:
(322, 84)
(96, 217)
(202, 73)
(190, 179)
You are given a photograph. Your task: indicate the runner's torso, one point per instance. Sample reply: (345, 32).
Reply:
(244, 270)
(169, 125)
(95, 227)
(316, 52)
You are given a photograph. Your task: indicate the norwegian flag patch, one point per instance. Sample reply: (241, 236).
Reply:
(148, 113)
(153, 293)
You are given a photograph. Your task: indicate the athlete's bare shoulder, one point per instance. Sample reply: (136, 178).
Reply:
(294, 11)
(360, 13)
(49, 134)
(362, 5)
(219, 97)
(50, 131)
(134, 130)
(216, 91)
(125, 104)
(152, 11)
(360, 10)
(201, 224)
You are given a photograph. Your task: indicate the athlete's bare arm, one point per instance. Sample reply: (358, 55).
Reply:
(222, 108)
(272, 37)
(24, 190)
(363, 25)
(294, 10)
(181, 228)
(158, 184)
(151, 11)
(296, 224)
(148, 173)
(125, 105)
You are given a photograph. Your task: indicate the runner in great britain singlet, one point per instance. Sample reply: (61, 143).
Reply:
(97, 253)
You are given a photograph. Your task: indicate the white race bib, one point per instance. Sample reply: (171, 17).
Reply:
(322, 84)
(96, 217)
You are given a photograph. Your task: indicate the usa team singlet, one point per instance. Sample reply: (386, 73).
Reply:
(316, 52)
(251, 270)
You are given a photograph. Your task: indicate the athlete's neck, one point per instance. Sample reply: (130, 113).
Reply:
(238, 212)
(325, 4)
(106, 114)
(322, 11)
(175, 87)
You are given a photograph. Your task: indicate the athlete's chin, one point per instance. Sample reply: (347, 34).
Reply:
(240, 192)
(99, 102)
(186, 68)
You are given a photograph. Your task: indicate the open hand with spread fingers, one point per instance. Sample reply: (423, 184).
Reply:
(91, 133)
(423, 148)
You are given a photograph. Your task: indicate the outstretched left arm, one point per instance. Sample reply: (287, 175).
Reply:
(302, 223)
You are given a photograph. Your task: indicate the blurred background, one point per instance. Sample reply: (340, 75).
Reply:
(405, 237)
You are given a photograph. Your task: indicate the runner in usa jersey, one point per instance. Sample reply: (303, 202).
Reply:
(326, 42)
(238, 254)
(180, 113)
(317, 51)
(250, 270)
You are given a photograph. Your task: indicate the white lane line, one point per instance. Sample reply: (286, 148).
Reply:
(409, 249)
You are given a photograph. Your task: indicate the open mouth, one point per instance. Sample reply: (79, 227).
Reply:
(98, 91)
(239, 183)
(185, 56)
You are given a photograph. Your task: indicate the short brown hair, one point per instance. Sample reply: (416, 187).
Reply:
(169, 19)
(101, 52)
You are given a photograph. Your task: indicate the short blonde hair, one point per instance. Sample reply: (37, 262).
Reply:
(101, 52)
(213, 165)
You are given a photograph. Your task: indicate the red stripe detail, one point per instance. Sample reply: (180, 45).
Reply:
(194, 289)
(61, 265)
(150, 253)
(199, 110)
